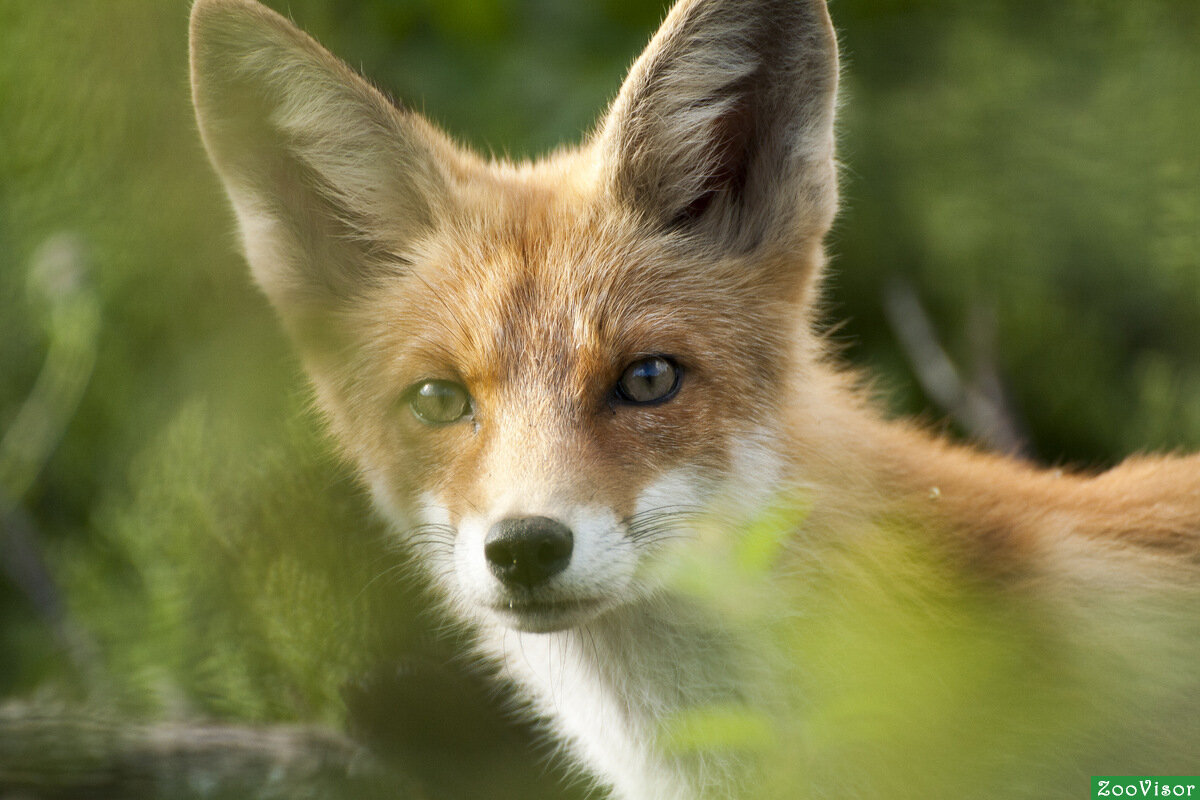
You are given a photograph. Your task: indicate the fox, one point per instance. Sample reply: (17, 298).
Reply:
(554, 376)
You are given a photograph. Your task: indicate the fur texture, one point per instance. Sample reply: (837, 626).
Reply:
(690, 224)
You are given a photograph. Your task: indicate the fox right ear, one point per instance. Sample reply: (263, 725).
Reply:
(724, 126)
(331, 182)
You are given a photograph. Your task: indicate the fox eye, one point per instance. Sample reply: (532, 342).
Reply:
(439, 402)
(654, 379)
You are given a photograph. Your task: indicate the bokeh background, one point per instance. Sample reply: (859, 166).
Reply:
(1021, 178)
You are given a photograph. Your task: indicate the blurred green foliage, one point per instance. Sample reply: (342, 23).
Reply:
(1033, 162)
(877, 670)
(266, 621)
(1038, 160)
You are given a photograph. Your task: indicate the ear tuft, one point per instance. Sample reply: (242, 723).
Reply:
(725, 123)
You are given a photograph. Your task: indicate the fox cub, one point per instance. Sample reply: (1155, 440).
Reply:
(557, 376)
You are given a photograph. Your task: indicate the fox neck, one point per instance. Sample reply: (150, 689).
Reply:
(608, 686)
(980, 510)
(994, 516)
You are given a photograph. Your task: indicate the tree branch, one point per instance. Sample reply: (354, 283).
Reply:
(53, 756)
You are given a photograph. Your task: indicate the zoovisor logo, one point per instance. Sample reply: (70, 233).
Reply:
(1145, 786)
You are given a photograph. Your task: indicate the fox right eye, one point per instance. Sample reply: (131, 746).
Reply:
(439, 402)
(650, 380)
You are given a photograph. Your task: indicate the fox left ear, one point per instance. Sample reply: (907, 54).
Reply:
(725, 124)
(332, 183)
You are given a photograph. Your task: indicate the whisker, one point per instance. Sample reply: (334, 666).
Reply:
(661, 524)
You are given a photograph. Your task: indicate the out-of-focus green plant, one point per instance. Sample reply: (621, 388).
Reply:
(878, 667)
(59, 289)
(261, 583)
(58, 285)
(1036, 160)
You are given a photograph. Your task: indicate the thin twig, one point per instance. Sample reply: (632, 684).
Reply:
(981, 406)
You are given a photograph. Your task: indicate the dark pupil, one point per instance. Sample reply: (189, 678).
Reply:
(439, 402)
(649, 379)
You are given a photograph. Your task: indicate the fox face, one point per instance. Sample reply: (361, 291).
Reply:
(551, 415)
(524, 359)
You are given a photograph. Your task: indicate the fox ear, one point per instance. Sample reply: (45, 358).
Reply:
(331, 182)
(725, 123)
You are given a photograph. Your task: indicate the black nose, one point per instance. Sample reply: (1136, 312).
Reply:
(528, 551)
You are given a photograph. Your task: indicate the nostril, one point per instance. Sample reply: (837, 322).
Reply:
(499, 554)
(548, 552)
(528, 551)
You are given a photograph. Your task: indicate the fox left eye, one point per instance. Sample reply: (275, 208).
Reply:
(649, 380)
(439, 402)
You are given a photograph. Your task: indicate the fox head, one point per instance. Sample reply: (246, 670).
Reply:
(541, 369)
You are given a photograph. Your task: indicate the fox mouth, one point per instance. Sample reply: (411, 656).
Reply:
(545, 616)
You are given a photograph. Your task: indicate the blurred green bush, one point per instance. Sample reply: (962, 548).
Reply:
(1029, 164)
